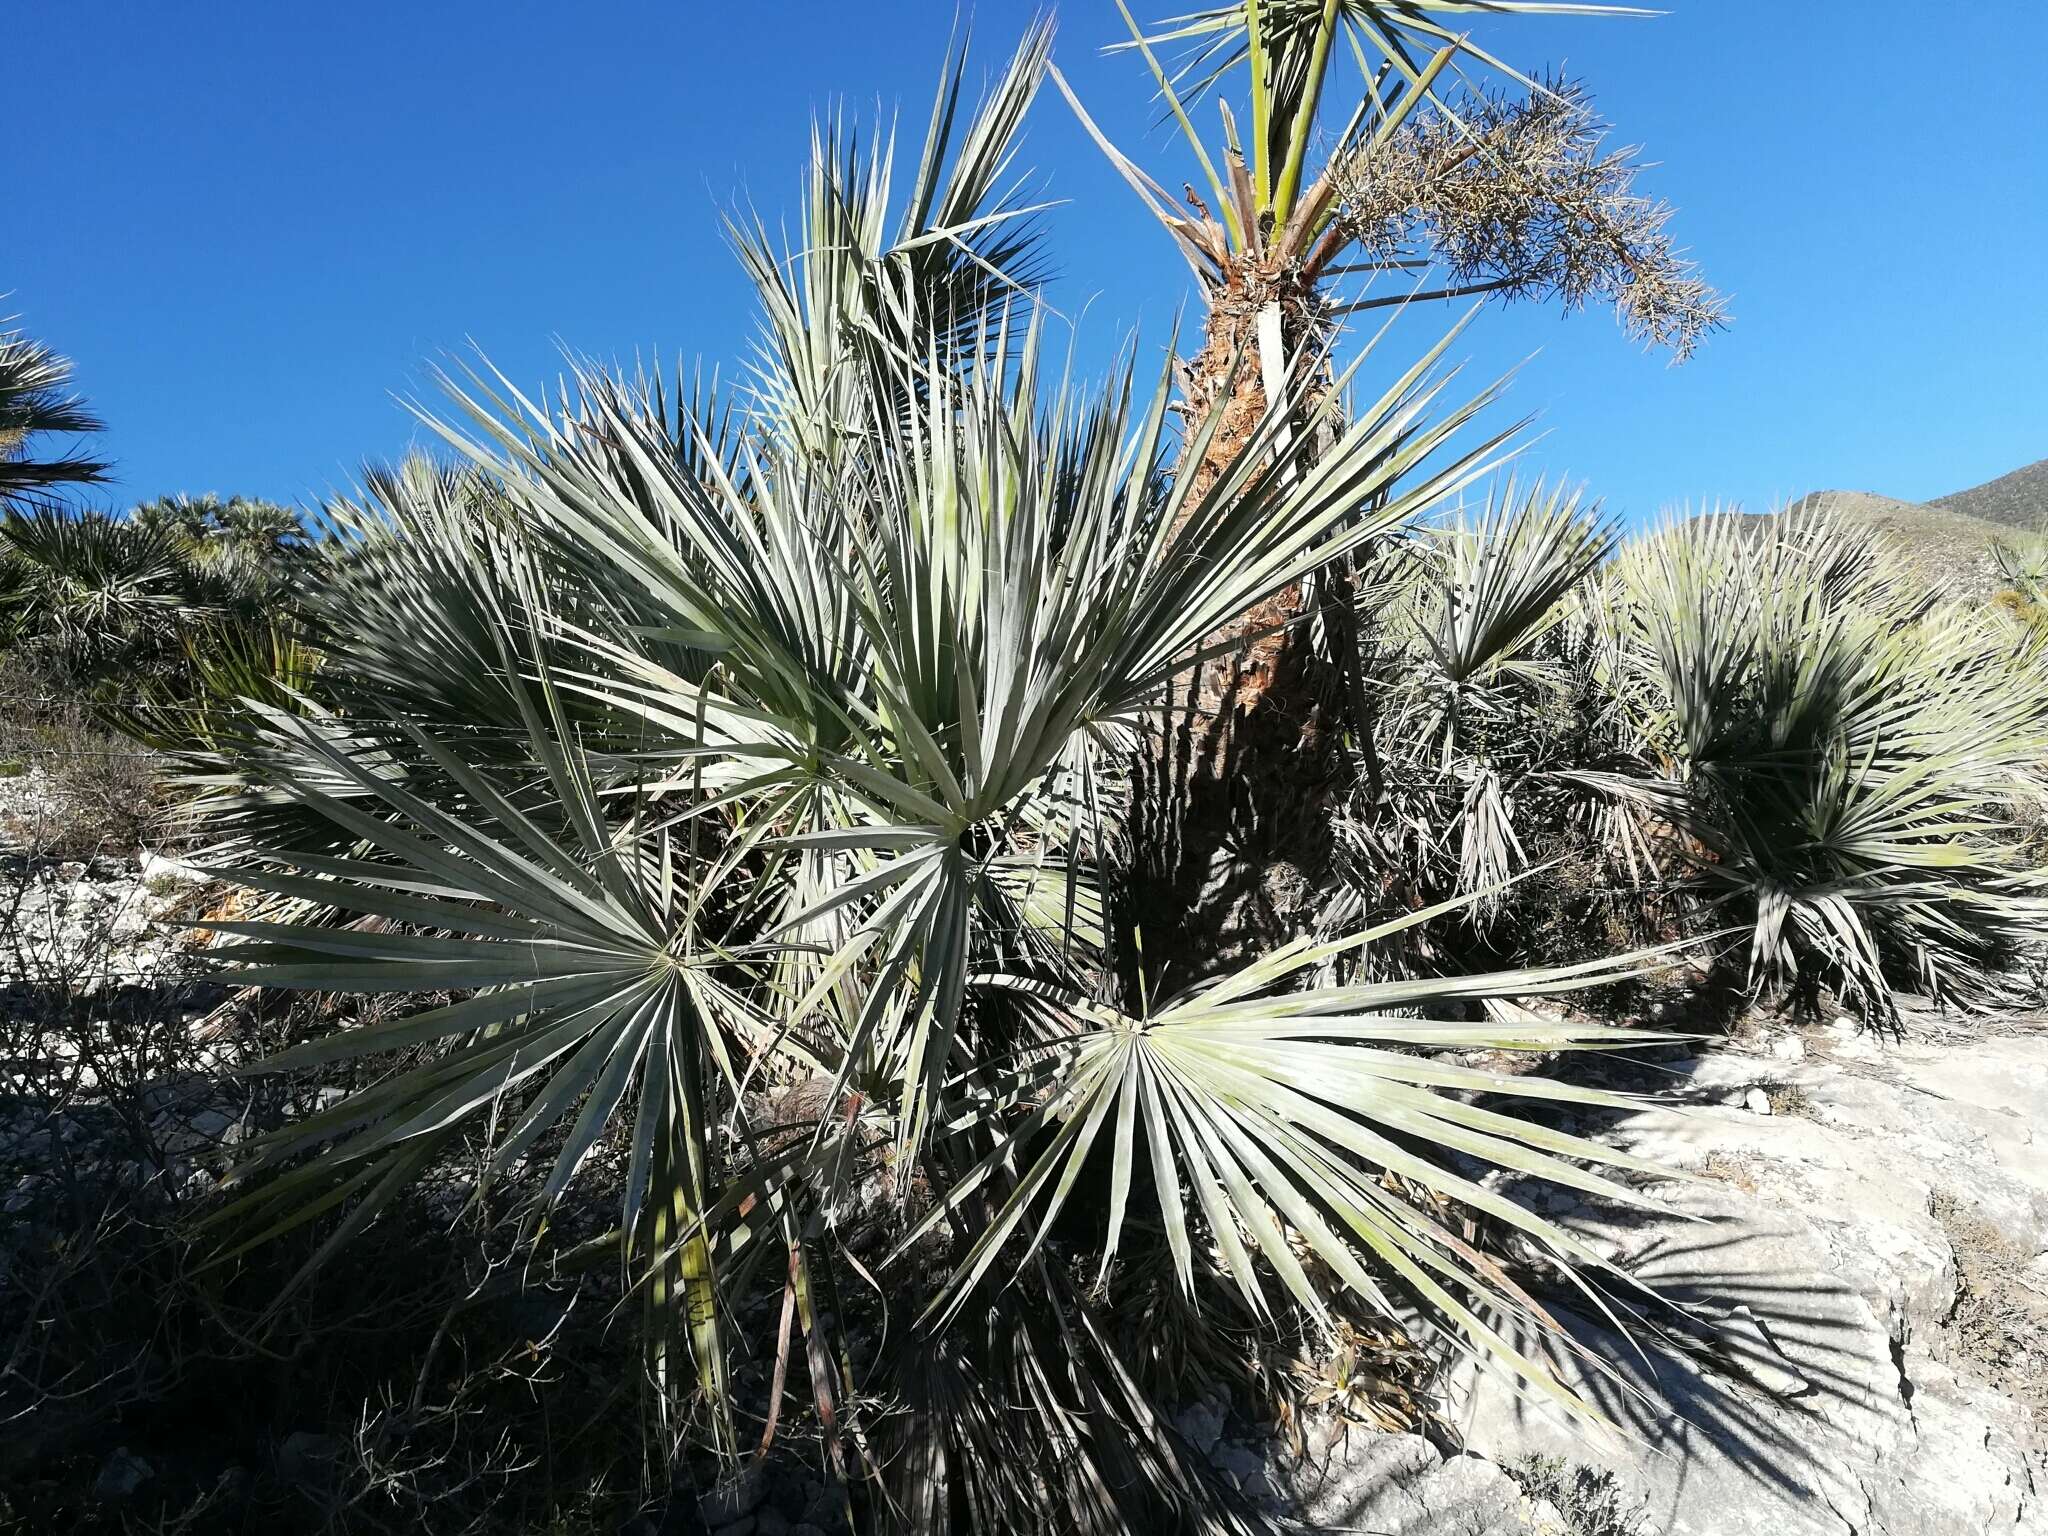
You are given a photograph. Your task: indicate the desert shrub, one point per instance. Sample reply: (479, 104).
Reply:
(1999, 1322)
(406, 1386)
(76, 789)
(1588, 1501)
(2022, 563)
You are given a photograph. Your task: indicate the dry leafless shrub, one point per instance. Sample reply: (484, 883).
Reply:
(69, 787)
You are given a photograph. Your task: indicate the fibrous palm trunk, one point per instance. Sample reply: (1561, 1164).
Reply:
(1238, 785)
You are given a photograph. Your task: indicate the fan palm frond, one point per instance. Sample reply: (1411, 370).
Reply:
(35, 402)
(698, 741)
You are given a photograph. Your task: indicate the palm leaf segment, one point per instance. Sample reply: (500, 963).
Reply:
(35, 402)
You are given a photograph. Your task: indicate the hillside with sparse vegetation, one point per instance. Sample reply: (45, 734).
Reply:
(2017, 500)
(1957, 544)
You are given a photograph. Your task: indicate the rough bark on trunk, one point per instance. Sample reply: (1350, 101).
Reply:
(1237, 788)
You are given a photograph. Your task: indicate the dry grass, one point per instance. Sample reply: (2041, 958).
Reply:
(69, 787)
(1737, 1172)
(1587, 1501)
(2000, 1321)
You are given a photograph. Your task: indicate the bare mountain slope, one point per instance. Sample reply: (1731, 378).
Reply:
(2019, 500)
(1945, 547)
(1950, 543)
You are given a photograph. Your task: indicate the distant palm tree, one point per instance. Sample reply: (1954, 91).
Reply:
(237, 553)
(34, 403)
(262, 530)
(110, 592)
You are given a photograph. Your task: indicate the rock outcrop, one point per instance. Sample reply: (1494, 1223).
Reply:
(1856, 1236)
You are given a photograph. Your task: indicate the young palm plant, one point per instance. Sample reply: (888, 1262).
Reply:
(1478, 665)
(792, 871)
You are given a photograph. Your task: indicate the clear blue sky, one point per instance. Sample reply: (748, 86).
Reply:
(250, 223)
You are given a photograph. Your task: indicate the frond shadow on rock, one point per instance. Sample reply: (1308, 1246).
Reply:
(1747, 1360)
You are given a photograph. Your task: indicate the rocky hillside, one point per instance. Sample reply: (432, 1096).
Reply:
(1949, 542)
(1857, 1230)
(1862, 1225)
(2019, 500)
(1948, 550)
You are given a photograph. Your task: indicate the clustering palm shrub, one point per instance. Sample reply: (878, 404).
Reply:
(132, 612)
(90, 587)
(111, 596)
(235, 528)
(751, 772)
(747, 778)
(1764, 724)
(1479, 676)
(1849, 765)
(123, 638)
(162, 624)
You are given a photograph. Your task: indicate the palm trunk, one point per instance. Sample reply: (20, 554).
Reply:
(1254, 327)
(1238, 788)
